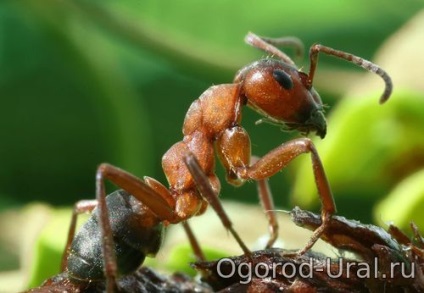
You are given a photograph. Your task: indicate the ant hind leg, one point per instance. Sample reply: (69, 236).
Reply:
(82, 206)
(151, 196)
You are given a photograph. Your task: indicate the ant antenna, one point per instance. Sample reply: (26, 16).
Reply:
(367, 65)
(267, 45)
(288, 41)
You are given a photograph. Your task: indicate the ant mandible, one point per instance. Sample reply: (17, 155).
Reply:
(273, 87)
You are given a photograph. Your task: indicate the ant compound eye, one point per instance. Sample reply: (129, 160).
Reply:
(283, 79)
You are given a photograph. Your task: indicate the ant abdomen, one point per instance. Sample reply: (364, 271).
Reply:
(137, 233)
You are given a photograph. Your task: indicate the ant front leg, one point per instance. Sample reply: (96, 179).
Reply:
(279, 158)
(234, 152)
(233, 148)
(82, 206)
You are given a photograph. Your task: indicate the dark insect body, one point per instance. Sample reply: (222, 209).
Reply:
(133, 240)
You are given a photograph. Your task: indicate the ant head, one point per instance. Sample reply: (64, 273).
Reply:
(283, 95)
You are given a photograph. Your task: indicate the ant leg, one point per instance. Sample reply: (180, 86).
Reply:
(365, 64)
(206, 191)
(158, 187)
(198, 253)
(279, 158)
(233, 149)
(267, 202)
(154, 199)
(140, 190)
(109, 257)
(82, 206)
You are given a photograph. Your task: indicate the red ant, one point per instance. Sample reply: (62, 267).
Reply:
(128, 224)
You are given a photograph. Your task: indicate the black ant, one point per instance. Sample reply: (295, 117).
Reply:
(127, 225)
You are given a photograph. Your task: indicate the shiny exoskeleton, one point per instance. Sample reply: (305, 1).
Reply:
(273, 87)
(137, 233)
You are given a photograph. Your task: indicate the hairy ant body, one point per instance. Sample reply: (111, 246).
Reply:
(128, 225)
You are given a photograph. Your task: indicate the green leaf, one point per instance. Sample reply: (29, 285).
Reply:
(49, 247)
(404, 204)
(181, 255)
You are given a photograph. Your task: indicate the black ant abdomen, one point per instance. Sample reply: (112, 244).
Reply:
(136, 231)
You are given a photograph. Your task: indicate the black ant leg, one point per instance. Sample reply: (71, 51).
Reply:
(82, 206)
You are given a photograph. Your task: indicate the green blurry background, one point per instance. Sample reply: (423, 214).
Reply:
(84, 82)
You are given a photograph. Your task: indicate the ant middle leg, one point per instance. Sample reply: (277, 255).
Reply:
(197, 250)
(206, 191)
